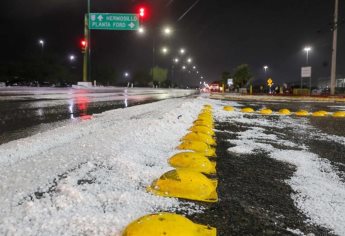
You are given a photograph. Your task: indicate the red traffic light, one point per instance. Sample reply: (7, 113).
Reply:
(83, 44)
(142, 12)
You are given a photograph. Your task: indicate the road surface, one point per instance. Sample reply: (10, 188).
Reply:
(26, 111)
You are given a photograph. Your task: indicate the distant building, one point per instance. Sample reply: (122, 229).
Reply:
(325, 82)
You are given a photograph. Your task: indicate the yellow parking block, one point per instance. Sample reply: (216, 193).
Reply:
(202, 129)
(285, 112)
(302, 113)
(197, 146)
(185, 184)
(339, 114)
(197, 136)
(193, 161)
(247, 110)
(266, 112)
(167, 224)
(228, 108)
(204, 122)
(320, 113)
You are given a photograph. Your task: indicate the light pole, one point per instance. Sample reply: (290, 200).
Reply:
(334, 48)
(41, 42)
(166, 31)
(126, 75)
(307, 50)
(175, 62)
(261, 87)
(87, 53)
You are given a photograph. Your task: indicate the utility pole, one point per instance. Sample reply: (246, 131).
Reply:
(334, 49)
(87, 53)
(85, 56)
(89, 40)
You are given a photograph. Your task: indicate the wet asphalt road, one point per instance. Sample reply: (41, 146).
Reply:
(26, 111)
(254, 196)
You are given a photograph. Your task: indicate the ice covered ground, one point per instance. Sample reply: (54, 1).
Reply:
(90, 178)
(318, 185)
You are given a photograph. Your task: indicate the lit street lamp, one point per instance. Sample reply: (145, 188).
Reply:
(167, 31)
(165, 50)
(72, 58)
(307, 50)
(182, 51)
(141, 30)
(41, 42)
(189, 60)
(265, 68)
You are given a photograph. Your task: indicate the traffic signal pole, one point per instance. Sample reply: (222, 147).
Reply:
(88, 40)
(85, 52)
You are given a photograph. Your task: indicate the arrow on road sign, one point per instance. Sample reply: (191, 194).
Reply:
(100, 18)
(132, 25)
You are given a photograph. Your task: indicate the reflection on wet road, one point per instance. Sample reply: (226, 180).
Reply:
(26, 111)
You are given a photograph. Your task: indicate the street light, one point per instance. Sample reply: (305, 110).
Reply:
(41, 42)
(189, 60)
(165, 50)
(141, 30)
(184, 67)
(182, 51)
(307, 50)
(167, 31)
(176, 60)
(194, 67)
(126, 74)
(71, 58)
(265, 68)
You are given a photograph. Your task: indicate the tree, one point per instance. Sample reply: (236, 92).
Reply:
(242, 75)
(225, 76)
(141, 78)
(104, 74)
(159, 74)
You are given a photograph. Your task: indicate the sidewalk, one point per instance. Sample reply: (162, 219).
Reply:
(244, 97)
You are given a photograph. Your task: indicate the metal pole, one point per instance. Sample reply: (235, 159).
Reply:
(307, 57)
(153, 55)
(334, 48)
(85, 56)
(89, 40)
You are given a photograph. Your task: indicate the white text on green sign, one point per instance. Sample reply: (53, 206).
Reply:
(113, 21)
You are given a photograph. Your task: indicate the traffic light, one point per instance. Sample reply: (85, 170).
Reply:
(142, 12)
(83, 45)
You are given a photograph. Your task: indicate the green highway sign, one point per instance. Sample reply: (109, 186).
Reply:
(113, 21)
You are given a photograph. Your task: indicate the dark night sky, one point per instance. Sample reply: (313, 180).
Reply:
(218, 34)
